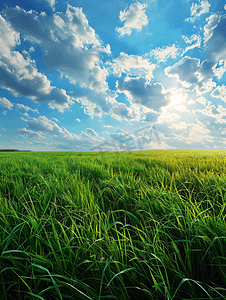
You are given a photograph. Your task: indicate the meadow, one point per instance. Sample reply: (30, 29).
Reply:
(128, 225)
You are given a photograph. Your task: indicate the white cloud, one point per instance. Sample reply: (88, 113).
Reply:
(68, 43)
(132, 65)
(5, 103)
(18, 142)
(30, 134)
(201, 100)
(31, 49)
(215, 37)
(150, 117)
(51, 3)
(43, 143)
(219, 69)
(58, 136)
(143, 93)
(198, 9)
(105, 103)
(168, 117)
(134, 18)
(194, 38)
(120, 111)
(78, 120)
(189, 40)
(220, 92)
(20, 75)
(189, 72)
(4, 112)
(162, 54)
(107, 126)
(27, 108)
(91, 132)
(44, 125)
(179, 126)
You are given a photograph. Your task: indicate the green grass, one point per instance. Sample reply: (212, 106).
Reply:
(129, 225)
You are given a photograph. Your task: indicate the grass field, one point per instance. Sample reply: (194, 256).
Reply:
(129, 225)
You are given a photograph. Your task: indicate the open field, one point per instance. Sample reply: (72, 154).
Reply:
(129, 225)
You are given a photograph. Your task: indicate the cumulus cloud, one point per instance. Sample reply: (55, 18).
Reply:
(189, 71)
(20, 75)
(198, 9)
(58, 136)
(132, 65)
(5, 103)
(68, 43)
(201, 100)
(143, 93)
(162, 54)
(44, 125)
(105, 103)
(134, 18)
(219, 69)
(120, 111)
(215, 37)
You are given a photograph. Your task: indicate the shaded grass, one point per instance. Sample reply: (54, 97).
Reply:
(129, 225)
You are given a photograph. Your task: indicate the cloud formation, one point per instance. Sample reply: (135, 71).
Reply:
(190, 72)
(51, 3)
(5, 103)
(132, 65)
(30, 134)
(20, 76)
(142, 92)
(27, 108)
(68, 43)
(220, 92)
(198, 9)
(134, 18)
(162, 54)
(44, 125)
(58, 136)
(105, 103)
(91, 132)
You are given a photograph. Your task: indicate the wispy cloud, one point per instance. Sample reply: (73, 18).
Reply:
(198, 9)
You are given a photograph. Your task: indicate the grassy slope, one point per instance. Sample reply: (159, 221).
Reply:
(139, 225)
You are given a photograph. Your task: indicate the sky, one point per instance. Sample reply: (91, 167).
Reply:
(112, 75)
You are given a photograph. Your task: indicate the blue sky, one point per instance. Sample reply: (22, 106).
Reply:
(84, 75)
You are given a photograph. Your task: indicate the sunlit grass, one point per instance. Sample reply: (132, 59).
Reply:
(129, 225)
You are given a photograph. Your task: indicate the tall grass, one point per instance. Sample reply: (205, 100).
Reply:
(128, 225)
